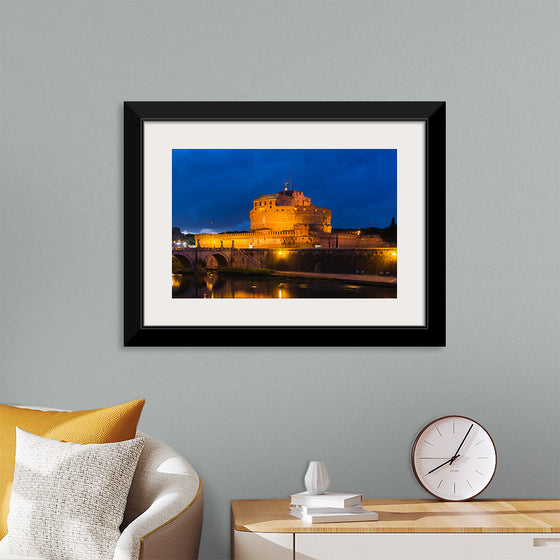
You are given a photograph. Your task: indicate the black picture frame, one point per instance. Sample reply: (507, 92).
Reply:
(136, 333)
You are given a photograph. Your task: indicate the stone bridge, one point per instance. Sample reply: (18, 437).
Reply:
(196, 258)
(343, 261)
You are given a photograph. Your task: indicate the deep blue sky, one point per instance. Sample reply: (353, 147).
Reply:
(213, 190)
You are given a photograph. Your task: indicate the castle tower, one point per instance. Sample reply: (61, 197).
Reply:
(288, 210)
(288, 219)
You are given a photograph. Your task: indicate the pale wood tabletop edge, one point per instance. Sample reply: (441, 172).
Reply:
(272, 516)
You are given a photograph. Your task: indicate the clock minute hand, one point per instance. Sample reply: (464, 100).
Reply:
(461, 445)
(443, 464)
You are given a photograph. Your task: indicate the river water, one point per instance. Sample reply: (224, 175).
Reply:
(214, 285)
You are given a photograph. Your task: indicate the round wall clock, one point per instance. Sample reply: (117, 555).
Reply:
(454, 458)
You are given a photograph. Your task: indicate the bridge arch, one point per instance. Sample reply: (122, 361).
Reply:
(216, 260)
(181, 262)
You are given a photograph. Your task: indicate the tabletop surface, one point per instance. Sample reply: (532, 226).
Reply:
(409, 516)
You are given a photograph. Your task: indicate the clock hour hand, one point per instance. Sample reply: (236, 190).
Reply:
(443, 464)
(461, 445)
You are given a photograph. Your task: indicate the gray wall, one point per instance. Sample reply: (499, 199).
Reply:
(250, 419)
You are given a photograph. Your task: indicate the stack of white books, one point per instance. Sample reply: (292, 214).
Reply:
(330, 507)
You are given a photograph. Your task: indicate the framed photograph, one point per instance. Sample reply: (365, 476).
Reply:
(284, 224)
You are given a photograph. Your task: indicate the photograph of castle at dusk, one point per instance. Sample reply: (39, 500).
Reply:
(284, 223)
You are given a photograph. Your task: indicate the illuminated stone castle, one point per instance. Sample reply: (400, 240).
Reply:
(288, 219)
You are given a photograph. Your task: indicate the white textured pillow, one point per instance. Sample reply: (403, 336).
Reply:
(68, 499)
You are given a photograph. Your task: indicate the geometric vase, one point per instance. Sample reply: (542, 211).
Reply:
(316, 478)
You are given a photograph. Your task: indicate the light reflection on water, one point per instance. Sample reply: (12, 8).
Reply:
(217, 286)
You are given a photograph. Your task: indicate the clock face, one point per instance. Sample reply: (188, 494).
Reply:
(454, 458)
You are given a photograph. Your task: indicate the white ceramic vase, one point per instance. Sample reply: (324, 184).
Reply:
(316, 478)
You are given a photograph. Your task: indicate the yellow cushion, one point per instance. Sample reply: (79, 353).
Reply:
(104, 425)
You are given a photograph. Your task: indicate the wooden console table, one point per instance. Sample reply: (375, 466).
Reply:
(406, 529)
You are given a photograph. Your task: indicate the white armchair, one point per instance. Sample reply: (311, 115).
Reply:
(163, 516)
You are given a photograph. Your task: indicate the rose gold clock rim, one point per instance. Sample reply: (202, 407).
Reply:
(414, 449)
